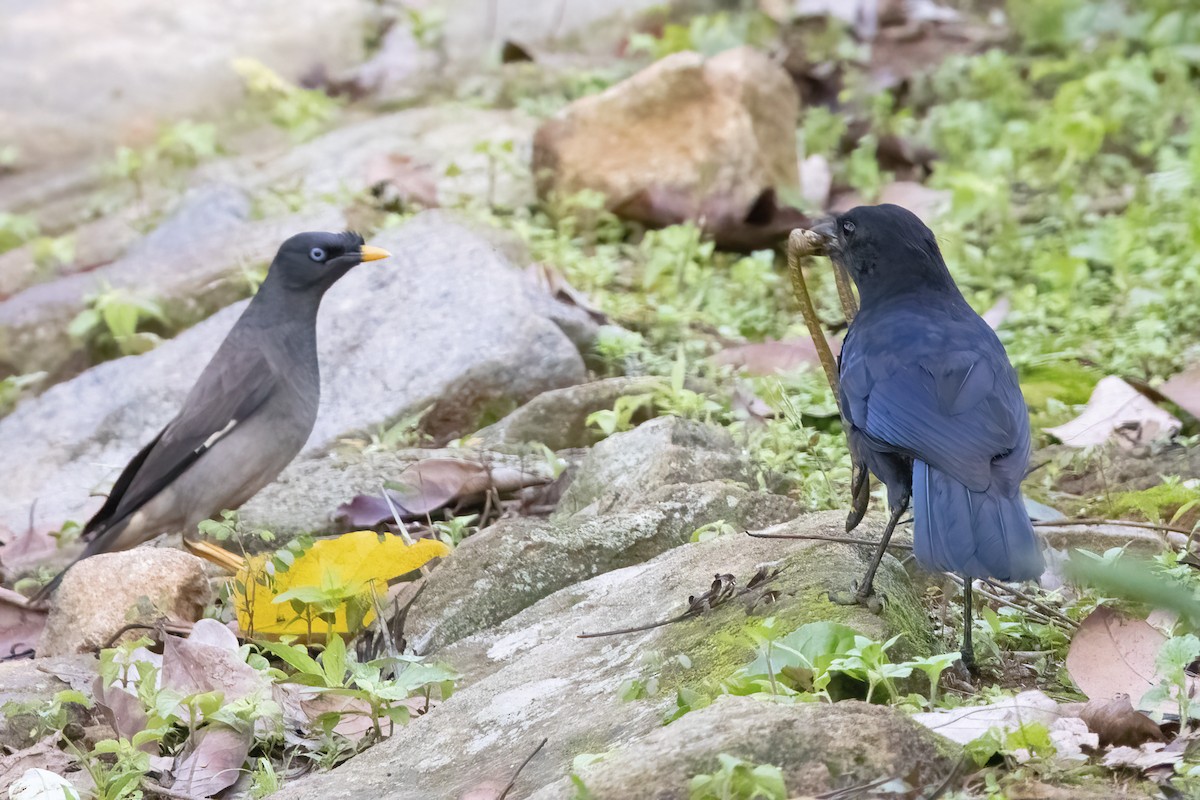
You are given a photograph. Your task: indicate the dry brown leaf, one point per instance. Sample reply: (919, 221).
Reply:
(1148, 756)
(123, 711)
(1183, 390)
(1117, 410)
(27, 550)
(557, 286)
(399, 180)
(211, 761)
(42, 755)
(1112, 655)
(1118, 723)
(773, 356)
(20, 625)
(193, 665)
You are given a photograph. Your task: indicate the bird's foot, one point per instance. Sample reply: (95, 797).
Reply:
(857, 597)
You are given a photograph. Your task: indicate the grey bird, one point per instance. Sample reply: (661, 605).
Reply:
(246, 418)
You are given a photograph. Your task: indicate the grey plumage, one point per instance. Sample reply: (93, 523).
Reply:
(248, 415)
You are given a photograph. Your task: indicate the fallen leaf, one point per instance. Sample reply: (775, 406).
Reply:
(123, 711)
(27, 550)
(398, 180)
(1071, 737)
(359, 563)
(557, 286)
(1117, 410)
(1117, 722)
(816, 181)
(1183, 389)
(20, 625)
(996, 315)
(1111, 655)
(748, 405)
(211, 761)
(1149, 755)
(965, 724)
(773, 356)
(430, 484)
(193, 665)
(43, 755)
(40, 784)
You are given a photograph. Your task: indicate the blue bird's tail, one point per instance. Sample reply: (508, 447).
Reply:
(980, 534)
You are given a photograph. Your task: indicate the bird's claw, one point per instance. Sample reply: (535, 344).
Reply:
(854, 597)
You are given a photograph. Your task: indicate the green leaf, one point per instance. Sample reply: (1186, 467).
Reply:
(334, 660)
(296, 657)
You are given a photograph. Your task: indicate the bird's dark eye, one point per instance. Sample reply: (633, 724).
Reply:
(848, 228)
(316, 254)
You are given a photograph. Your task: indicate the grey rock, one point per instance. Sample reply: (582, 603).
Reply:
(304, 498)
(513, 564)
(857, 743)
(30, 682)
(79, 78)
(192, 265)
(558, 419)
(445, 324)
(658, 453)
(532, 677)
(96, 596)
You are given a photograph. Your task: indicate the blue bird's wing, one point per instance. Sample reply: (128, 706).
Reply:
(957, 410)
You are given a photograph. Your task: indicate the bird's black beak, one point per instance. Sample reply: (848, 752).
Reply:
(368, 253)
(824, 235)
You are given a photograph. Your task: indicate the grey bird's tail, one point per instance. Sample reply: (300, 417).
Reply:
(980, 534)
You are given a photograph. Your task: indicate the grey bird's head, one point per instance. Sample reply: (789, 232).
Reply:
(315, 261)
(886, 249)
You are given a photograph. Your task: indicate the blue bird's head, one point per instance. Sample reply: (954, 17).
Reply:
(886, 249)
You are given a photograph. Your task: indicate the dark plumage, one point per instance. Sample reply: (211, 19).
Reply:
(930, 402)
(249, 413)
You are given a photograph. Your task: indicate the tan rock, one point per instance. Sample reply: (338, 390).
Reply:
(684, 138)
(97, 595)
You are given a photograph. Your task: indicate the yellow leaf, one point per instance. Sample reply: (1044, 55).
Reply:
(351, 566)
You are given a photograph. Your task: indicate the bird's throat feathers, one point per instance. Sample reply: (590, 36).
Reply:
(903, 265)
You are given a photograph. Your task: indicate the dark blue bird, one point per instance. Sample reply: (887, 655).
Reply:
(931, 405)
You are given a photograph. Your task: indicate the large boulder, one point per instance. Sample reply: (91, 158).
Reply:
(192, 264)
(685, 138)
(79, 78)
(99, 594)
(446, 324)
(858, 744)
(533, 677)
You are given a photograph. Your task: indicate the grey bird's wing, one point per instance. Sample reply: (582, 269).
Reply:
(228, 393)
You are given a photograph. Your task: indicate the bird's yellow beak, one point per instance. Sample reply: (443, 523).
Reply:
(368, 253)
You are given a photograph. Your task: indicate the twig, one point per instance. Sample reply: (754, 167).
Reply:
(162, 627)
(722, 590)
(408, 540)
(818, 537)
(1153, 526)
(1003, 601)
(150, 786)
(796, 246)
(854, 791)
(1033, 601)
(944, 786)
(517, 774)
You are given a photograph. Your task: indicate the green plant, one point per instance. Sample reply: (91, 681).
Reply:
(339, 672)
(38, 719)
(16, 230)
(12, 387)
(620, 416)
(453, 530)
(114, 323)
(736, 779)
(302, 113)
(1028, 739)
(1174, 657)
(708, 34)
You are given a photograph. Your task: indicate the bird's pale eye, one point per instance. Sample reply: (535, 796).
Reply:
(316, 254)
(848, 228)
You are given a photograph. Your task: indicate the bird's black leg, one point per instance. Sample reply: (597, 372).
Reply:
(860, 496)
(863, 595)
(968, 647)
